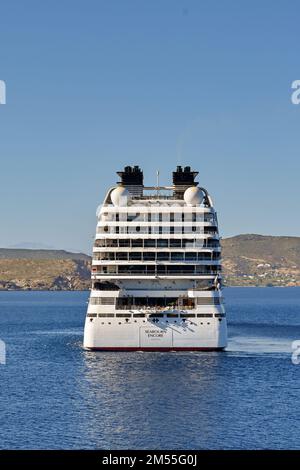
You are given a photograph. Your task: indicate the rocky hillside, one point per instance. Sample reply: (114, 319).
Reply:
(43, 270)
(257, 260)
(248, 260)
(21, 253)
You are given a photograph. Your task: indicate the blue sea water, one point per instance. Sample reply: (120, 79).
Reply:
(55, 395)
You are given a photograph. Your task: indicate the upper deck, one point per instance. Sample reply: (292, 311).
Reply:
(165, 232)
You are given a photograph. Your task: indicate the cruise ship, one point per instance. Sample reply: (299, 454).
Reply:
(156, 268)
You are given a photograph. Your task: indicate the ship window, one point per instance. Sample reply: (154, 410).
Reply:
(150, 270)
(149, 243)
(112, 243)
(123, 315)
(132, 216)
(137, 243)
(187, 315)
(111, 269)
(204, 256)
(105, 286)
(122, 256)
(156, 315)
(188, 243)
(210, 229)
(100, 243)
(149, 256)
(191, 256)
(139, 315)
(219, 315)
(172, 315)
(92, 315)
(138, 229)
(177, 256)
(106, 256)
(162, 243)
(161, 270)
(102, 315)
(124, 243)
(181, 269)
(102, 300)
(171, 216)
(135, 256)
(160, 217)
(162, 256)
(175, 243)
(204, 315)
(208, 300)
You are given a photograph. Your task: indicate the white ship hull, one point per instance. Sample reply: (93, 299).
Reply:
(194, 334)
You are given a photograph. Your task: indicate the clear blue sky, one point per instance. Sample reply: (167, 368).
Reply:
(94, 85)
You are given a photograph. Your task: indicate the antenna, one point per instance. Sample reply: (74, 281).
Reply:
(157, 181)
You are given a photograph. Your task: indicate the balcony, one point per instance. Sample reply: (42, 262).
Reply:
(157, 303)
(155, 272)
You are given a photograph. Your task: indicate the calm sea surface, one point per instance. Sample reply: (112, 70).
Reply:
(54, 395)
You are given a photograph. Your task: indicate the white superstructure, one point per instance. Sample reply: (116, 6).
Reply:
(156, 269)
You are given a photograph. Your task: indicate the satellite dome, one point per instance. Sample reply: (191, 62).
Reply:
(193, 196)
(120, 196)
